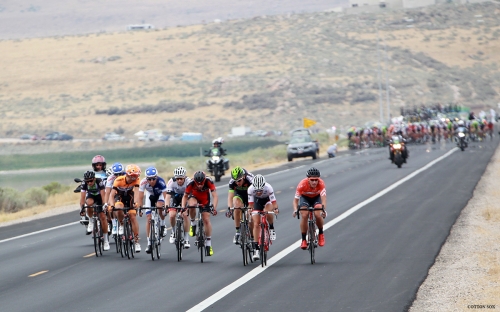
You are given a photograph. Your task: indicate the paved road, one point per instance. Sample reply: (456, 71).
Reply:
(374, 259)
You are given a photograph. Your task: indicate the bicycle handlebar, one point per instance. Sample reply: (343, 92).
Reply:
(311, 209)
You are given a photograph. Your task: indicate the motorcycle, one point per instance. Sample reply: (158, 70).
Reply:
(216, 164)
(397, 147)
(460, 138)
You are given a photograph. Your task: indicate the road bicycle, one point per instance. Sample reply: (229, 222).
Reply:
(179, 231)
(127, 243)
(154, 232)
(97, 234)
(201, 237)
(246, 243)
(264, 239)
(312, 234)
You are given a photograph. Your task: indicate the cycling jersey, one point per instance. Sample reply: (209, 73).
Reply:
(110, 180)
(122, 187)
(158, 189)
(305, 189)
(267, 192)
(203, 195)
(241, 190)
(174, 188)
(93, 189)
(100, 174)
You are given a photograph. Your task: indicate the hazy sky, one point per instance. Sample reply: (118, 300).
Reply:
(41, 18)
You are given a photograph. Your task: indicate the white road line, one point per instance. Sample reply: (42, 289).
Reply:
(247, 277)
(37, 232)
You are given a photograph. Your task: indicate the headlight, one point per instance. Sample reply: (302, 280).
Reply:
(397, 146)
(460, 134)
(215, 158)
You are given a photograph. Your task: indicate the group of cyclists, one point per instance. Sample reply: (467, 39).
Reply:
(118, 190)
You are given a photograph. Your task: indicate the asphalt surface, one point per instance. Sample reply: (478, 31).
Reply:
(374, 259)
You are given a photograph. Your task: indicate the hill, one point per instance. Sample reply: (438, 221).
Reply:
(266, 72)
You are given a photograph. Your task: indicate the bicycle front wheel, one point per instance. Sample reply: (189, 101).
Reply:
(312, 235)
(261, 244)
(101, 237)
(178, 240)
(131, 239)
(243, 243)
(95, 235)
(201, 240)
(152, 238)
(158, 241)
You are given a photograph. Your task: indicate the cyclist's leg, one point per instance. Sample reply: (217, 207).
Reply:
(237, 203)
(319, 224)
(192, 201)
(270, 220)
(160, 204)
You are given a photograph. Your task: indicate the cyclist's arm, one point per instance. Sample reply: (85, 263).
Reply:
(230, 196)
(323, 201)
(140, 198)
(295, 204)
(184, 200)
(215, 198)
(111, 199)
(82, 198)
(101, 192)
(136, 197)
(168, 198)
(106, 194)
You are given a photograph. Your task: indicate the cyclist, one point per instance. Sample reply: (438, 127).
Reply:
(175, 191)
(155, 189)
(99, 166)
(117, 170)
(92, 193)
(261, 198)
(237, 197)
(123, 195)
(198, 193)
(311, 192)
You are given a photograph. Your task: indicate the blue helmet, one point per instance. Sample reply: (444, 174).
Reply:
(118, 168)
(151, 172)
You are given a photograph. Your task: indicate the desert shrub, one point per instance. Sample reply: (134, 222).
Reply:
(432, 83)
(55, 188)
(36, 196)
(11, 200)
(363, 96)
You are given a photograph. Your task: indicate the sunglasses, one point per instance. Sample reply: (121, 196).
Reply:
(180, 179)
(151, 179)
(89, 181)
(98, 164)
(239, 180)
(314, 180)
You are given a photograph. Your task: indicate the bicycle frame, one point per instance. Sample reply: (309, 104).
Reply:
(264, 241)
(127, 239)
(245, 236)
(200, 232)
(312, 235)
(154, 232)
(179, 231)
(97, 234)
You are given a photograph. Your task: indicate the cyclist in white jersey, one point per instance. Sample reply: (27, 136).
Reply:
(118, 170)
(175, 191)
(261, 198)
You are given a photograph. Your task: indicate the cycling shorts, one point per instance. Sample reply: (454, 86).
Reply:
(310, 201)
(260, 204)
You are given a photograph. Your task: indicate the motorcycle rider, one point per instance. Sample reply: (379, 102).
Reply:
(217, 144)
(398, 136)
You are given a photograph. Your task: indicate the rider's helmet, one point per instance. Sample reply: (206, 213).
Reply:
(199, 177)
(259, 182)
(237, 173)
(98, 159)
(151, 172)
(313, 172)
(133, 171)
(118, 169)
(109, 172)
(89, 175)
(180, 172)
(461, 123)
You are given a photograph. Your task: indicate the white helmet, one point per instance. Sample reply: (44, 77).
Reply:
(180, 172)
(109, 171)
(259, 182)
(460, 122)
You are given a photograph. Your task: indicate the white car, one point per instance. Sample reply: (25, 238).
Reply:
(113, 137)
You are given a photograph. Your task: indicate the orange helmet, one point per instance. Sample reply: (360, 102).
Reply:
(133, 170)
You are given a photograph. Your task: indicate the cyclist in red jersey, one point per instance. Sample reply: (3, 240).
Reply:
(311, 192)
(198, 193)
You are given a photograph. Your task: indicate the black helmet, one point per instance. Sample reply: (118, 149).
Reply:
(89, 175)
(313, 172)
(199, 177)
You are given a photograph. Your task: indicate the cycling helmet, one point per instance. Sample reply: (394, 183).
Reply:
(118, 168)
(151, 172)
(259, 182)
(109, 172)
(89, 175)
(237, 173)
(133, 170)
(460, 122)
(199, 177)
(180, 172)
(313, 172)
(99, 159)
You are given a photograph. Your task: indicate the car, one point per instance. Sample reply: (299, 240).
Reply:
(302, 146)
(57, 136)
(111, 136)
(26, 137)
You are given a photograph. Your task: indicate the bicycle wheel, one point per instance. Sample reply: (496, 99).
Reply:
(119, 244)
(243, 243)
(100, 237)
(152, 238)
(261, 244)
(312, 234)
(95, 236)
(201, 239)
(131, 238)
(115, 237)
(158, 241)
(126, 232)
(179, 240)
(266, 245)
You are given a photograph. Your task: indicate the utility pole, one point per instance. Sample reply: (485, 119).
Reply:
(379, 83)
(387, 85)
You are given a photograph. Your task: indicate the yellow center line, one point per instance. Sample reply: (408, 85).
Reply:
(89, 255)
(39, 273)
(223, 210)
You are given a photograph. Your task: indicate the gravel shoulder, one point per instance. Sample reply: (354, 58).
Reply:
(466, 273)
